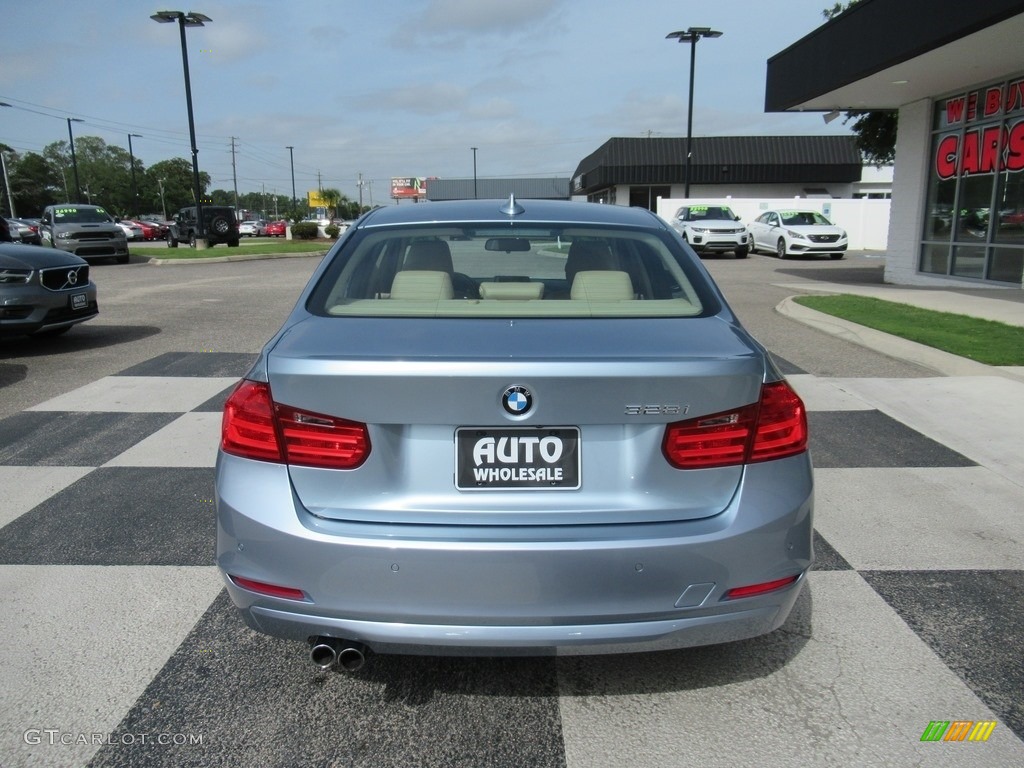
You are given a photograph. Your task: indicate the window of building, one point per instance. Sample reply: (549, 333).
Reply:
(974, 220)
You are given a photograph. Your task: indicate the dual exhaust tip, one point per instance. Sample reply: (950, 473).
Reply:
(327, 652)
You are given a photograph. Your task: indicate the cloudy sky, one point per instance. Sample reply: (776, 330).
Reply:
(389, 88)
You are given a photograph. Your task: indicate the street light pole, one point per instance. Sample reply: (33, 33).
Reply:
(474, 172)
(190, 19)
(135, 193)
(74, 160)
(291, 157)
(3, 162)
(691, 36)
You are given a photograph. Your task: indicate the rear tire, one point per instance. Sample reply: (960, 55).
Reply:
(171, 242)
(780, 248)
(232, 243)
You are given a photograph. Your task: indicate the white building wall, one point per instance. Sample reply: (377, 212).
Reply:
(866, 221)
(909, 193)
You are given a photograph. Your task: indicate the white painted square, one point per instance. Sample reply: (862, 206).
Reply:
(825, 395)
(844, 682)
(81, 643)
(145, 394)
(921, 518)
(26, 487)
(191, 440)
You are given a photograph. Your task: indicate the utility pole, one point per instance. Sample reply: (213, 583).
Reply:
(163, 203)
(360, 185)
(234, 173)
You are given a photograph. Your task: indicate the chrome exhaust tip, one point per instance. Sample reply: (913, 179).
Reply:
(324, 652)
(353, 657)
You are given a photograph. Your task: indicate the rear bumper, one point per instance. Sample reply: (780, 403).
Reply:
(515, 591)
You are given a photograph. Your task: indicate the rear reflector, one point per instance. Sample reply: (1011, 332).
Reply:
(759, 589)
(773, 428)
(273, 590)
(255, 427)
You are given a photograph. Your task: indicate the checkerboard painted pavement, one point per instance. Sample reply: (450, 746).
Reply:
(121, 647)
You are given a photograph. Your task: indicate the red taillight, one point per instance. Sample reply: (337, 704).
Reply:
(781, 424)
(255, 427)
(315, 440)
(771, 429)
(247, 428)
(759, 589)
(273, 590)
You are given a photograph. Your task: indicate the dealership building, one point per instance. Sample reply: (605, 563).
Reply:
(955, 73)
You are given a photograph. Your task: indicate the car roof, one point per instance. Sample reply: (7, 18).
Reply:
(495, 211)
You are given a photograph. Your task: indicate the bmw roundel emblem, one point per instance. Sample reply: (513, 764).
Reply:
(517, 400)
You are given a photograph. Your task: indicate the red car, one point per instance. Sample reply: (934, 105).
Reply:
(149, 230)
(276, 228)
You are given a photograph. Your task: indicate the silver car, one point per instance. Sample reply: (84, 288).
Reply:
(500, 427)
(43, 291)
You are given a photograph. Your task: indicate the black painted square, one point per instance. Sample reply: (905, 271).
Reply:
(119, 516)
(826, 557)
(72, 438)
(974, 621)
(257, 700)
(872, 439)
(194, 364)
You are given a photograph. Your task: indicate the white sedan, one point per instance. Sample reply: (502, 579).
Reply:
(796, 233)
(250, 228)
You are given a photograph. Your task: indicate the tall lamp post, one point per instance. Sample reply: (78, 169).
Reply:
(474, 172)
(3, 163)
(135, 192)
(74, 160)
(190, 19)
(291, 157)
(691, 36)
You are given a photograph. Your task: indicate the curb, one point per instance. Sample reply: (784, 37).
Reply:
(158, 262)
(893, 346)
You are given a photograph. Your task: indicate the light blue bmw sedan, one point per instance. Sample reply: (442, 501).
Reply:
(498, 427)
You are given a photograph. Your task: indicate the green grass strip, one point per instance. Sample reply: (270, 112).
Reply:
(985, 341)
(184, 252)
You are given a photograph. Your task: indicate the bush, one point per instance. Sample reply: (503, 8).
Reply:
(332, 231)
(304, 230)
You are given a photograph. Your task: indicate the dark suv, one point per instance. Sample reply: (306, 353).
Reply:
(219, 226)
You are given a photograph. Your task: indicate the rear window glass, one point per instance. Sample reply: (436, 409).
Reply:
(499, 271)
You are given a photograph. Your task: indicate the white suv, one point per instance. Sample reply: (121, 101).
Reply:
(712, 229)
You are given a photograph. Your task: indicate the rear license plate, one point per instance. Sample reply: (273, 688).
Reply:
(79, 301)
(517, 459)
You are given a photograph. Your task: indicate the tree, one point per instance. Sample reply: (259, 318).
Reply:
(332, 198)
(875, 129)
(176, 177)
(34, 183)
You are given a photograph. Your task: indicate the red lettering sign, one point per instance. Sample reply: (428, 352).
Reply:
(945, 157)
(954, 110)
(1015, 148)
(993, 101)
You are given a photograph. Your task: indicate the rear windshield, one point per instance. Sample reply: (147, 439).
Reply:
(498, 271)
